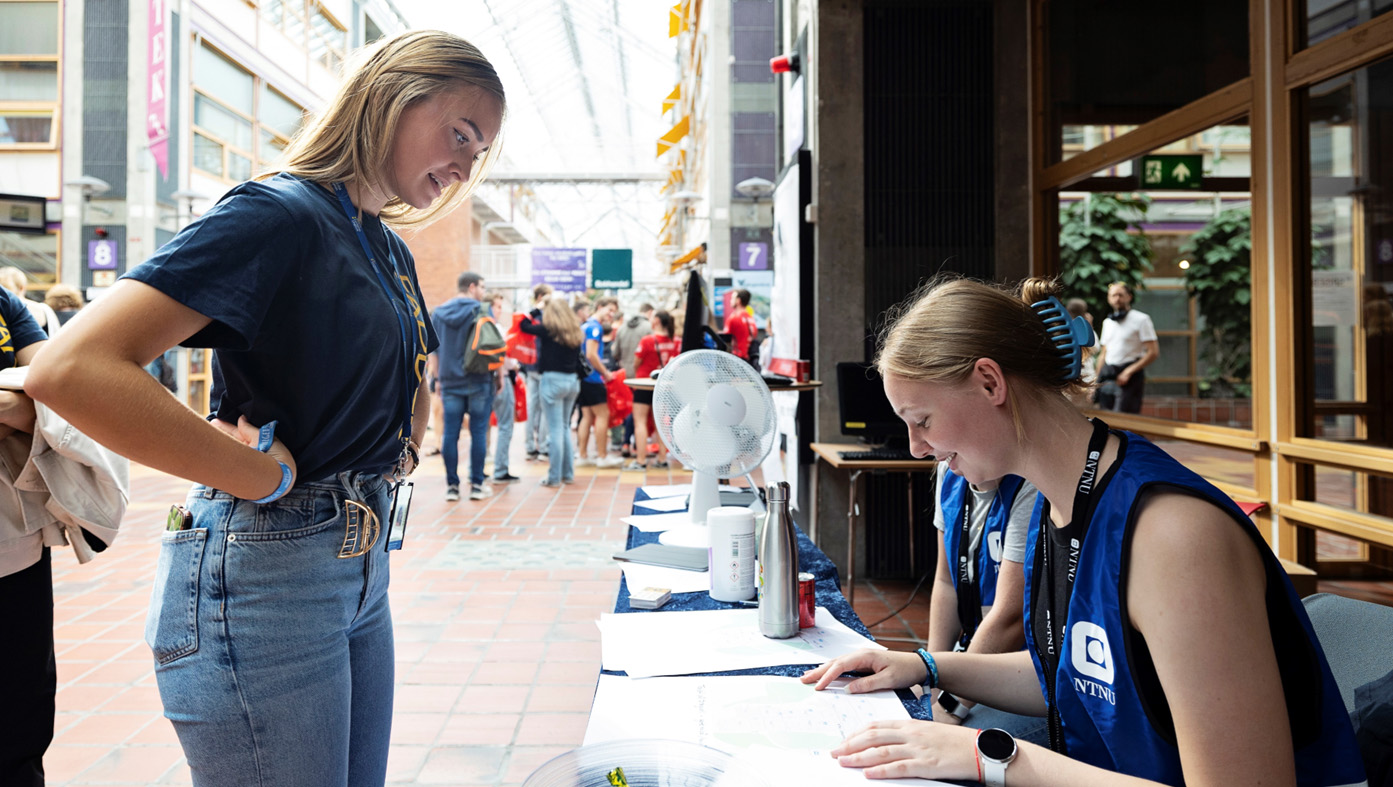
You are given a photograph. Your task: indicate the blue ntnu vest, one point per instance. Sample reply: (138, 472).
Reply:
(1096, 683)
(955, 490)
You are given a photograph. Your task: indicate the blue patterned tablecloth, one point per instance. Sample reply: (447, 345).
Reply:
(810, 559)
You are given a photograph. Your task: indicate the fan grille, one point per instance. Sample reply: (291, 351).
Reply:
(694, 416)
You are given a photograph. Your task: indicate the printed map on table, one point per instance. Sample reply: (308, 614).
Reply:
(777, 724)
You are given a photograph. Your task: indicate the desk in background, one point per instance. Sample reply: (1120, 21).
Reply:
(810, 559)
(831, 454)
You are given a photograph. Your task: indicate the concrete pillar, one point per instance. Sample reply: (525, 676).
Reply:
(835, 101)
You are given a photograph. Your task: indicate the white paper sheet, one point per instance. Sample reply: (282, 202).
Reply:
(657, 523)
(663, 504)
(778, 725)
(674, 579)
(683, 643)
(676, 490)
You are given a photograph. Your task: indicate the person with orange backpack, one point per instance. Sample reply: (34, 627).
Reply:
(463, 326)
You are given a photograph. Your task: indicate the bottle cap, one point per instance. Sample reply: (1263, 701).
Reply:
(778, 492)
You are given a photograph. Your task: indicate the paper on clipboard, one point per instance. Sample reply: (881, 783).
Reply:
(663, 505)
(657, 523)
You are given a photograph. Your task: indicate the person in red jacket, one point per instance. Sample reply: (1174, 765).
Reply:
(740, 324)
(653, 353)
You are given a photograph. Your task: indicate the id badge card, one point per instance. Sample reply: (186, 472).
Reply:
(401, 508)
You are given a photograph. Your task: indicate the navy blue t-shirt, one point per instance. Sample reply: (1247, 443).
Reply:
(17, 327)
(304, 332)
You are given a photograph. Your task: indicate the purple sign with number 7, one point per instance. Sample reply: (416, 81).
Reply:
(754, 257)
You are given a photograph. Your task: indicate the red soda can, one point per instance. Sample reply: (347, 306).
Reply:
(807, 600)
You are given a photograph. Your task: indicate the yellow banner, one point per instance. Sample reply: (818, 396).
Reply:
(674, 135)
(672, 98)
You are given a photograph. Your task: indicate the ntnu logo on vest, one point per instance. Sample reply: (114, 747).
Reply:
(1092, 658)
(1090, 651)
(994, 546)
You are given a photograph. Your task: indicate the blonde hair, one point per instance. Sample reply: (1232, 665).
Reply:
(63, 296)
(940, 332)
(14, 280)
(351, 140)
(560, 321)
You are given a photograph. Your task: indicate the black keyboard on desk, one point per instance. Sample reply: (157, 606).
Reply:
(880, 455)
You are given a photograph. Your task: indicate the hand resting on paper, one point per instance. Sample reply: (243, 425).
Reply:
(889, 670)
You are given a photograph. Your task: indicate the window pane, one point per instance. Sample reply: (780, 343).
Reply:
(36, 255)
(26, 128)
(1366, 493)
(218, 77)
(1169, 308)
(220, 122)
(1348, 395)
(1113, 66)
(207, 155)
(279, 113)
(1187, 255)
(271, 147)
(1174, 360)
(1228, 465)
(28, 28)
(1326, 18)
(239, 167)
(29, 81)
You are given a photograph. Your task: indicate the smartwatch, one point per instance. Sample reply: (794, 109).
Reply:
(953, 706)
(995, 750)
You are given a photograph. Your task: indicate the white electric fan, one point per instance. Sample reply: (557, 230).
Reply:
(714, 413)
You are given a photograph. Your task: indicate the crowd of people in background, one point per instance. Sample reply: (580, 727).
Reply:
(564, 387)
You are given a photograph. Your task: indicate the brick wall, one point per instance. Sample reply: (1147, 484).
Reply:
(442, 254)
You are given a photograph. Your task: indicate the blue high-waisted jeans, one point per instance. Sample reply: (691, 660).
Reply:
(274, 657)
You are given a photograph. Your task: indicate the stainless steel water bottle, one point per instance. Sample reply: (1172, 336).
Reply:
(778, 568)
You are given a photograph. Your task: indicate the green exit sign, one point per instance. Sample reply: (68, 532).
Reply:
(1172, 172)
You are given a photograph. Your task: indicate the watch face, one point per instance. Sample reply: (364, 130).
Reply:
(948, 701)
(996, 744)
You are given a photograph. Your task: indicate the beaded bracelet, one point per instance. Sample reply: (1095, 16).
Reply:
(931, 680)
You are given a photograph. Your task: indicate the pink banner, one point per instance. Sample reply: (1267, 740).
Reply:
(157, 107)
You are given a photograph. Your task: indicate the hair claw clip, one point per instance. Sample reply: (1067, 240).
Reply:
(1068, 334)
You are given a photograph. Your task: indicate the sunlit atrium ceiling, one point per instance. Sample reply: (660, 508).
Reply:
(585, 82)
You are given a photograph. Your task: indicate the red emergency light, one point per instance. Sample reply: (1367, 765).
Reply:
(784, 63)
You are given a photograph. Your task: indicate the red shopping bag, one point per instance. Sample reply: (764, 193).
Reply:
(522, 346)
(621, 398)
(519, 400)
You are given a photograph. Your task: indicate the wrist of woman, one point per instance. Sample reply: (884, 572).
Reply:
(286, 479)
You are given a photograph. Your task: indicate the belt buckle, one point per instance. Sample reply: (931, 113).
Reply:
(361, 529)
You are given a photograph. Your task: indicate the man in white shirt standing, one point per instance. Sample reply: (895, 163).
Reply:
(1129, 346)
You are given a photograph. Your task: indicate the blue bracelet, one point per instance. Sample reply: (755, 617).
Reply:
(265, 436)
(932, 677)
(280, 490)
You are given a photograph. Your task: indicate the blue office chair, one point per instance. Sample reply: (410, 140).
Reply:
(1357, 638)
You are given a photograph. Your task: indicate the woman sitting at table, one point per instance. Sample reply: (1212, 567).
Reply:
(976, 602)
(1164, 642)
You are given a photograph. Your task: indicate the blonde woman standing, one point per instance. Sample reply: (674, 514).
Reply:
(270, 622)
(558, 337)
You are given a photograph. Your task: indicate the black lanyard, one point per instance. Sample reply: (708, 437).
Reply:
(1056, 617)
(969, 599)
(403, 313)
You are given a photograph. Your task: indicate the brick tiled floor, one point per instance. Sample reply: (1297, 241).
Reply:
(494, 605)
